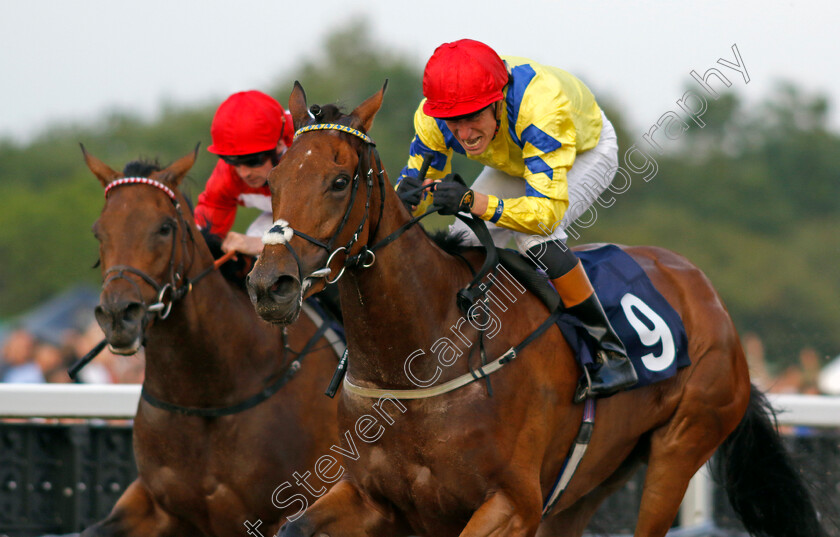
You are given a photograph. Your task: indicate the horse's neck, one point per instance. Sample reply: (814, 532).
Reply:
(212, 345)
(397, 306)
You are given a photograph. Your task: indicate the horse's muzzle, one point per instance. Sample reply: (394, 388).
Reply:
(123, 324)
(276, 297)
(301, 527)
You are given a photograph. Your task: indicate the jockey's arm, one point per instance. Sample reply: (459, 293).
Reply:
(526, 214)
(217, 205)
(242, 243)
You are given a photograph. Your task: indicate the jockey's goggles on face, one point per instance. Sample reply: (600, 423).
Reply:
(469, 116)
(253, 160)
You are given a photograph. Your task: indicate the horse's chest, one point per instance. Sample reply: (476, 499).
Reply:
(423, 477)
(199, 480)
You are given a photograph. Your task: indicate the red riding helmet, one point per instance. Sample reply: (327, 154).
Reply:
(461, 78)
(249, 122)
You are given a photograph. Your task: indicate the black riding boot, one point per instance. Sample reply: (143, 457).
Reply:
(614, 371)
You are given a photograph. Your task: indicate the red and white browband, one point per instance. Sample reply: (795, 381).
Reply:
(140, 181)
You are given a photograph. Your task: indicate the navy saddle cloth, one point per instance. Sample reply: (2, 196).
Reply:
(649, 327)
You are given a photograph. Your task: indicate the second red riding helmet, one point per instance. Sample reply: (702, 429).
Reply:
(461, 78)
(249, 122)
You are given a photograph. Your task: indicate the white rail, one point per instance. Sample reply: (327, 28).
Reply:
(806, 410)
(119, 401)
(107, 401)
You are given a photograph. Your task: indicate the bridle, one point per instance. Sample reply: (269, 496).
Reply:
(176, 289)
(281, 232)
(178, 286)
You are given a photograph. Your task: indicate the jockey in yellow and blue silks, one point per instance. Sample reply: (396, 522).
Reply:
(548, 151)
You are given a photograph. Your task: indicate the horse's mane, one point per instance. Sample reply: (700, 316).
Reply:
(451, 243)
(329, 113)
(142, 167)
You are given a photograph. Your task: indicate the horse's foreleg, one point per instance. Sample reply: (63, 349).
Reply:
(499, 516)
(137, 515)
(345, 511)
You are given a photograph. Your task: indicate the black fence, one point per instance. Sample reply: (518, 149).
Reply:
(61, 478)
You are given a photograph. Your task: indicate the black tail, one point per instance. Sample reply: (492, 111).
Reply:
(765, 489)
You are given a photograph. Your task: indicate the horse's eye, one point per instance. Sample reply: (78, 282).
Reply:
(166, 229)
(340, 183)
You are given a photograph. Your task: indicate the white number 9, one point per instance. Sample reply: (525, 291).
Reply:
(650, 337)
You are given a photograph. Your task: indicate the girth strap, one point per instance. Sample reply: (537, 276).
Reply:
(458, 382)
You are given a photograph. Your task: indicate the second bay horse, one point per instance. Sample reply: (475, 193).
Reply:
(231, 405)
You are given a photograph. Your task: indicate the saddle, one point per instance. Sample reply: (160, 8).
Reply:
(651, 330)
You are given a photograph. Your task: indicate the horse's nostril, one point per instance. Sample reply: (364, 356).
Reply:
(284, 287)
(134, 312)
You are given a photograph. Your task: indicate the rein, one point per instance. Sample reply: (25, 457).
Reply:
(78, 365)
(175, 293)
(179, 292)
(250, 402)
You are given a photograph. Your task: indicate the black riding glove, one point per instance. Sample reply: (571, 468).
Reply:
(453, 196)
(409, 192)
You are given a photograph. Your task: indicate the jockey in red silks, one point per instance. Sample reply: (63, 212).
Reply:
(250, 132)
(548, 151)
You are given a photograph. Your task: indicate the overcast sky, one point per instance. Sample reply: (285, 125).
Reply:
(74, 61)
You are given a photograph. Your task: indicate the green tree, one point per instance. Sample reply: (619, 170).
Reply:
(751, 198)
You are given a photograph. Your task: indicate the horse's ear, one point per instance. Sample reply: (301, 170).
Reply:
(366, 111)
(101, 170)
(175, 172)
(297, 106)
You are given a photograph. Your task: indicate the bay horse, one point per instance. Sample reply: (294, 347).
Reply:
(229, 408)
(467, 462)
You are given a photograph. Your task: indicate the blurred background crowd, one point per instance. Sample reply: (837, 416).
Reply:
(41, 345)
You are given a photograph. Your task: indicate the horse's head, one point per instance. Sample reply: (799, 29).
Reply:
(142, 233)
(325, 203)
